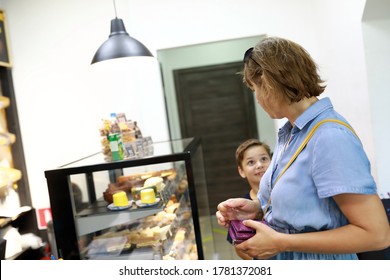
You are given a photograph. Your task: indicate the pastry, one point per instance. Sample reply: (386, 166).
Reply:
(154, 181)
(120, 199)
(147, 175)
(172, 208)
(148, 196)
(114, 188)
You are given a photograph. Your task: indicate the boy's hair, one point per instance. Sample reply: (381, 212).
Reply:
(246, 145)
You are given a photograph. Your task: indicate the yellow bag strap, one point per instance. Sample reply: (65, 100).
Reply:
(301, 147)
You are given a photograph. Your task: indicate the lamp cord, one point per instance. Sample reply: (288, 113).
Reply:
(115, 8)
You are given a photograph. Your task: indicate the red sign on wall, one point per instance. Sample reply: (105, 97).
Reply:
(43, 216)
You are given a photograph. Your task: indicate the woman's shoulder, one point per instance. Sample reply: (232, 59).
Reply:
(334, 128)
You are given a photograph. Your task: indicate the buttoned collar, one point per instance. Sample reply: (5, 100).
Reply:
(307, 116)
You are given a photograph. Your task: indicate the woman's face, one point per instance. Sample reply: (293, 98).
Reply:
(254, 164)
(274, 106)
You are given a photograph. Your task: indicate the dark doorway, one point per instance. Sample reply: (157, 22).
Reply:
(215, 105)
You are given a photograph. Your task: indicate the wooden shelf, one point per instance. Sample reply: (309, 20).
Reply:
(13, 166)
(7, 138)
(8, 174)
(4, 102)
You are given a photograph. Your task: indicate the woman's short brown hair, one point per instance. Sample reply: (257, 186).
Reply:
(286, 67)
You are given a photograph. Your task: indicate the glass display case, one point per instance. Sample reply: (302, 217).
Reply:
(89, 224)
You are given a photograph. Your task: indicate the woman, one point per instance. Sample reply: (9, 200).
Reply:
(325, 206)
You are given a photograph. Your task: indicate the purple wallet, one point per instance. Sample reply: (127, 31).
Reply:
(240, 232)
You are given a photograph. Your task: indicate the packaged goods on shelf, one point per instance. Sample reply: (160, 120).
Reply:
(119, 134)
(116, 146)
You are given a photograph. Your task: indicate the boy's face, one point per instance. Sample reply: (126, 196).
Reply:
(254, 164)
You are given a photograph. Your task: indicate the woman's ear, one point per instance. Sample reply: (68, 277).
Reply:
(241, 172)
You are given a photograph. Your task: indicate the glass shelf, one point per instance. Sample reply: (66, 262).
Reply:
(98, 217)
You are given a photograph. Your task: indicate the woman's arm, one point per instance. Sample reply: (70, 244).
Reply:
(368, 230)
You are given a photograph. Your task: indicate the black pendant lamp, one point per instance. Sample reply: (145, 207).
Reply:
(119, 44)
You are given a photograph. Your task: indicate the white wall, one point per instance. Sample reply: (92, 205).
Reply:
(376, 34)
(60, 100)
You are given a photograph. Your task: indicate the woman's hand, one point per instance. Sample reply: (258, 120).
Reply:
(264, 244)
(236, 209)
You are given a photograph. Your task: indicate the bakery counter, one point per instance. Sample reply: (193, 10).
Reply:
(88, 224)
